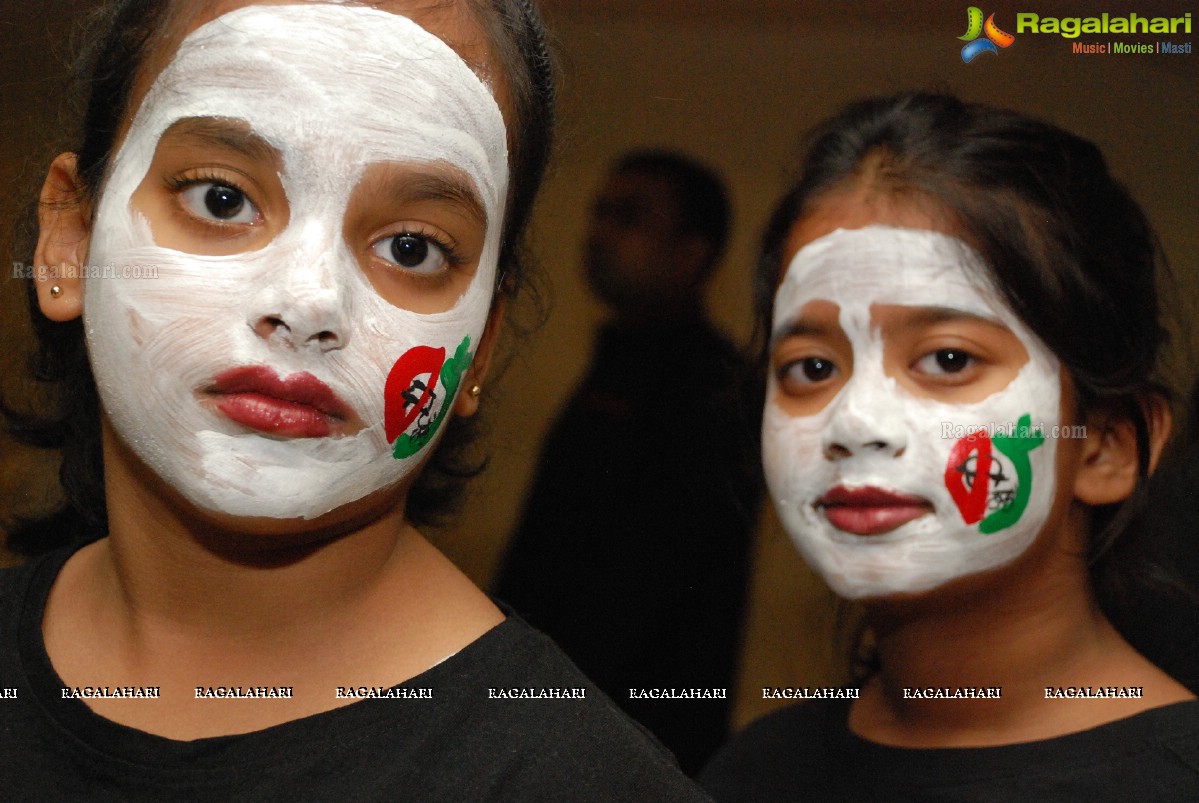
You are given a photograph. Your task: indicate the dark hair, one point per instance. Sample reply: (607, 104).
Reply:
(127, 31)
(701, 198)
(1072, 253)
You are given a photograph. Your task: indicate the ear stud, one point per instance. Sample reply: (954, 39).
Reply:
(55, 291)
(475, 390)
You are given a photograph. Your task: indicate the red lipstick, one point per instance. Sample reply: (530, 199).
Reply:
(295, 406)
(870, 511)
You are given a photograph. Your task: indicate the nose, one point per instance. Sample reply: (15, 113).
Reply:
(865, 421)
(304, 308)
(302, 325)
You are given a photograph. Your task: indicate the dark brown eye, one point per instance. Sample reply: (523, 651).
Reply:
(221, 202)
(224, 202)
(945, 361)
(806, 372)
(816, 369)
(409, 251)
(413, 252)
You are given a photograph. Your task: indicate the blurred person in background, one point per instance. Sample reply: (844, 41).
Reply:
(633, 548)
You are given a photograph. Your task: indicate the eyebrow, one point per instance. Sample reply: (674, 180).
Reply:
(223, 133)
(441, 188)
(801, 328)
(927, 316)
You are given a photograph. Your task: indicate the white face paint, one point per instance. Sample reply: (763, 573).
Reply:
(269, 336)
(876, 434)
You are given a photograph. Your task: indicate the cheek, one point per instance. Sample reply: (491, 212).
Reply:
(992, 478)
(792, 452)
(1003, 477)
(419, 394)
(175, 319)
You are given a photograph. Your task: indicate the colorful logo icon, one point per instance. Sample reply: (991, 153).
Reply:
(975, 27)
(411, 391)
(990, 477)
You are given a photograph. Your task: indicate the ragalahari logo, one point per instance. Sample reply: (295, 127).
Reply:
(975, 27)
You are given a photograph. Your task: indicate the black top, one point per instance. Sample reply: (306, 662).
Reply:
(458, 743)
(1164, 627)
(632, 552)
(807, 752)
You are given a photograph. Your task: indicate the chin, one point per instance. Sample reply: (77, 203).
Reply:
(253, 539)
(351, 515)
(134, 486)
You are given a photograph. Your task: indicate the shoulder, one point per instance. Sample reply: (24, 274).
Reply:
(808, 751)
(1168, 736)
(540, 728)
(10, 577)
(780, 754)
(13, 573)
(1153, 755)
(14, 580)
(35, 574)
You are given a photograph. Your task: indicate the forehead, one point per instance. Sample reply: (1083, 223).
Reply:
(452, 21)
(862, 268)
(860, 244)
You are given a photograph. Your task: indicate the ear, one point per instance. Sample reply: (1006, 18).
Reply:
(470, 391)
(64, 230)
(1108, 473)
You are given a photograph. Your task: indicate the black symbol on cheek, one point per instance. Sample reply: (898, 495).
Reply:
(412, 396)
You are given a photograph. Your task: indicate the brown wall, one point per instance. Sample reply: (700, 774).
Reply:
(734, 82)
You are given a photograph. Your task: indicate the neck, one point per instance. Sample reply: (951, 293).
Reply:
(178, 600)
(210, 577)
(1022, 629)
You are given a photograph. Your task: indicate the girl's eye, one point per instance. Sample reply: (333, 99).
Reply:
(211, 200)
(808, 371)
(945, 361)
(412, 252)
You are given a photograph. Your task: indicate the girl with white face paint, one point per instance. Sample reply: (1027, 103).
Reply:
(285, 240)
(960, 414)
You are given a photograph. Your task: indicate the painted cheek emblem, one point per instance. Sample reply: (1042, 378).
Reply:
(979, 480)
(408, 399)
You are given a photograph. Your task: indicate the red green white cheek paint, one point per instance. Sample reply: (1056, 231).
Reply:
(920, 492)
(292, 423)
(420, 388)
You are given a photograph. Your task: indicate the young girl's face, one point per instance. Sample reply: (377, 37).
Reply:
(318, 191)
(910, 420)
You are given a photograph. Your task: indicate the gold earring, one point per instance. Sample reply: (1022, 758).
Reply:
(475, 390)
(55, 291)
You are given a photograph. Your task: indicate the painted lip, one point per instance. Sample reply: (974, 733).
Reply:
(870, 511)
(295, 406)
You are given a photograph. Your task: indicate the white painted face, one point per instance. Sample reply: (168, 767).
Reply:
(267, 375)
(879, 481)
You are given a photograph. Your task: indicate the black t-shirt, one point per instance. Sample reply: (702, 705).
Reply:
(533, 738)
(807, 752)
